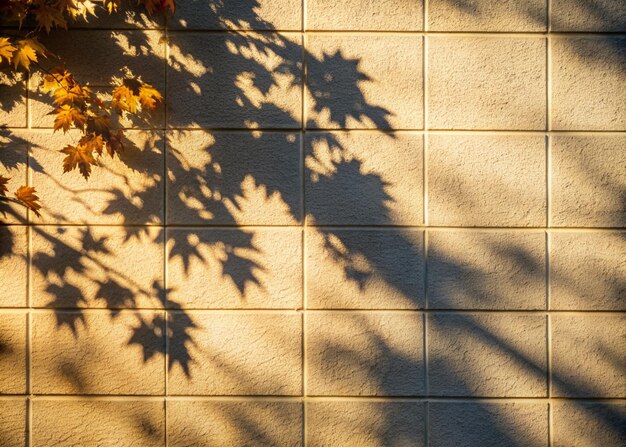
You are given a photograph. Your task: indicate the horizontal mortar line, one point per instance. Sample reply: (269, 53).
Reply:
(541, 312)
(104, 310)
(460, 399)
(299, 130)
(538, 33)
(170, 31)
(300, 31)
(528, 132)
(257, 310)
(299, 311)
(409, 33)
(299, 398)
(326, 227)
(466, 228)
(160, 398)
(374, 130)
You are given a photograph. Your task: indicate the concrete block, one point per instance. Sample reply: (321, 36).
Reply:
(487, 355)
(13, 417)
(588, 355)
(469, 424)
(358, 81)
(235, 268)
(365, 269)
(284, 15)
(13, 266)
(98, 55)
(599, 15)
(486, 83)
(102, 267)
(364, 354)
(364, 15)
(587, 83)
(129, 16)
(588, 181)
(486, 270)
(234, 80)
(588, 271)
(238, 354)
(127, 190)
(96, 352)
(13, 111)
(482, 180)
(364, 178)
(580, 424)
(486, 15)
(234, 178)
(365, 423)
(251, 423)
(13, 155)
(98, 422)
(13, 353)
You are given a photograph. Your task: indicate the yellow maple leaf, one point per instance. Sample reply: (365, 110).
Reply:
(26, 52)
(93, 142)
(57, 78)
(24, 55)
(149, 97)
(6, 49)
(82, 8)
(26, 195)
(73, 95)
(67, 115)
(124, 99)
(80, 157)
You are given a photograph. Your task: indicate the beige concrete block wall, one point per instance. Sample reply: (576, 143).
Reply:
(355, 223)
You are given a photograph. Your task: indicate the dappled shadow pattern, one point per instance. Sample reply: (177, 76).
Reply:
(249, 81)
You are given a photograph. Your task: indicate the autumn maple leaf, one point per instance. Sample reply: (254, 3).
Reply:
(80, 156)
(24, 55)
(49, 17)
(67, 115)
(149, 97)
(26, 195)
(6, 49)
(74, 94)
(57, 78)
(124, 99)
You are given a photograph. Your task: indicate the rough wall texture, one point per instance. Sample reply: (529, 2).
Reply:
(357, 223)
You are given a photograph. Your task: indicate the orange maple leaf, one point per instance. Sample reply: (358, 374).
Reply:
(6, 49)
(149, 97)
(66, 115)
(75, 94)
(27, 50)
(124, 99)
(80, 157)
(49, 17)
(57, 78)
(26, 195)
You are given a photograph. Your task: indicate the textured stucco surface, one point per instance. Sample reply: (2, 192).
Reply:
(355, 223)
